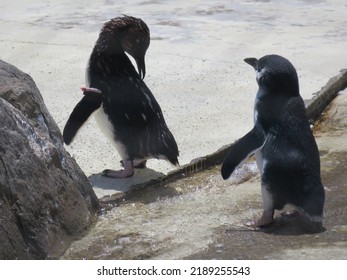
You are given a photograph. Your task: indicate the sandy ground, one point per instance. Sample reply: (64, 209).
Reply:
(195, 62)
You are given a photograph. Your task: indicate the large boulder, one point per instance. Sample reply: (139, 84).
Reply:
(46, 201)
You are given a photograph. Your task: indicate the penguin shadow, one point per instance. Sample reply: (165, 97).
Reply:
(109, 185)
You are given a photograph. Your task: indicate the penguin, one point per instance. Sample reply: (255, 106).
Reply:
(286, 152)
(124, 107)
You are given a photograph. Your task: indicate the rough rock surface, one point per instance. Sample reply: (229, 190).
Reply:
(46, 201)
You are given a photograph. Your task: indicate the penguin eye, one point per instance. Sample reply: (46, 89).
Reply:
(260, 72)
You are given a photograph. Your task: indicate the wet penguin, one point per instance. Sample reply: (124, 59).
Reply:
(124, 107)
(282, 141)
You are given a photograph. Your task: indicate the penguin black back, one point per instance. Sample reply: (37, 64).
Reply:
(286, 152)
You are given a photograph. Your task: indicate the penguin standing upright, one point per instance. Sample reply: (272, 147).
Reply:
(282, 141)
(124, 107)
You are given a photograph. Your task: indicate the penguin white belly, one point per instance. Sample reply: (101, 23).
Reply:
(268, 203)
(107, 128)
(266, 195)
(261, 161)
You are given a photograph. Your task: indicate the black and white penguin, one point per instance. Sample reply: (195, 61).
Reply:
(124, 107)
(282, 141)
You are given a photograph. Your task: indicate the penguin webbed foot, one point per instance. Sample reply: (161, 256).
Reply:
(127, 172)
(305, 222)
(291, 214)
(118, 174)
(264, 221)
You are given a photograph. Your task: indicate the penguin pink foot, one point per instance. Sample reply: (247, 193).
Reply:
(265, 220)
(128, 171)
(292, 213)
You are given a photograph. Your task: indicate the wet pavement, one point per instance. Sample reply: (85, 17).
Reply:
(203, 217)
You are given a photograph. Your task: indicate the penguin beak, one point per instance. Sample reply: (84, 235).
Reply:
(141, 66)
(251, 61)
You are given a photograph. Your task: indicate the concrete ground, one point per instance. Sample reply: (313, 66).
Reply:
(203, 217)
(195, 63)
(196, 71)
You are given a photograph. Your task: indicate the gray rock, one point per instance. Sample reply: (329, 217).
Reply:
(46, 201)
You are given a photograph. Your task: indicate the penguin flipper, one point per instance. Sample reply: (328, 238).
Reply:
(242, 149)
(80, 114)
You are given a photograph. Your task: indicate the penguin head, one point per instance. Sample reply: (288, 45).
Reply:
(127, 34)
(275, 74)
(136, 42)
